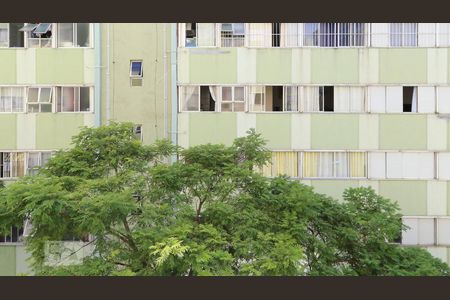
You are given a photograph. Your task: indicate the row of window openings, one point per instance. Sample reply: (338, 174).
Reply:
(308, 35)
(426, 231)
(41, 35)
(16, 235)
(19, 164)
(309, 99)
(41, 99)
(358, 164)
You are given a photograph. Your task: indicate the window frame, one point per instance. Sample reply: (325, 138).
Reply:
(141, 72)
(39, 103)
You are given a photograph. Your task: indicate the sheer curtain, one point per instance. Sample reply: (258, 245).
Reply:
(17, 99)
(214, 91)
(206, 34)
(325, 168)
(191, 98)
(341, 164)
(4, 35)
(290, 36)
(342, 99)
(5, 99)
(257, 100)
(310, 98)
(414, 100)
(285, 163)
(291, 98)
(259, 35)
(310, 164)
(357, 162)
(444, 34)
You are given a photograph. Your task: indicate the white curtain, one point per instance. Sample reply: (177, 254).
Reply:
(444, 34)
(5, 99)
(290, 34)
(257, 103)
(325, 164)
(4, 35)
(357, 97)
(291, 98)
(206, 34)
(414, 100)
(310, 98)
(214, 91)
(259, 35)
(17, 99)
(191, 98)
(341, 164)
(342, 99)
(395, 31)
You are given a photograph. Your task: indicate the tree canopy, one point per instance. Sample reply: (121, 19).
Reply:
(209, 213)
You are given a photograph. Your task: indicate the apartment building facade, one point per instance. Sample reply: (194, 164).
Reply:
(57, 77)
(340, 105)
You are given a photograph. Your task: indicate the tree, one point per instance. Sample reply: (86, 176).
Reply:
(209, 213)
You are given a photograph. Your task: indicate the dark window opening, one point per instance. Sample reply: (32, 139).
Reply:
(13, 236)
(326, 96)
(191, 35)
(207, 102)
(276, 34)
(409, 105)
(16, 37)
(277, 98)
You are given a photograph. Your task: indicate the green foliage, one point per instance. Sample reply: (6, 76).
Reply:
(209, 213)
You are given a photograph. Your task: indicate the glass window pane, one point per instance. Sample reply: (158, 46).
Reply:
(46, 107)
(68, 99)
(136, 68)
(65, 35)
(43, 28)
(83, 39)
(239, 93)
(33, 94)
(16, 37)
(238, 28)
(45, 95)
(4, 35)
(227, 93)
(84, 99)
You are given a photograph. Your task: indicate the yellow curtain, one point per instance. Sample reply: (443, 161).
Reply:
(285, 163)
(357, 164)
(18, 164)
(310, 164)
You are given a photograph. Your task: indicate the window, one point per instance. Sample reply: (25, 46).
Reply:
(36, 160)
(233, 98)
(191, 35)
(334, 34)
(317, 98)
(257, 98)
(39, 99)
(198, 98)
(443, 97)
(136, 68)
(410, 99)
(72, 99)
(403, 34)
(10, 36)
(402, 165)
(11, 99)
(274, 98)
(232, 34)
(349, 99)
(14, 235)
(137, 130)
(426, 231)
(334, 165)
(73, 34)
(282, 163)
(397, 99)
(290, 98)
(443, 166)
(291, 34)
(444, 34)
(38, 35)
(12, 164)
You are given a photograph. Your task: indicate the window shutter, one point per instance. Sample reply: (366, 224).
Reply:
(394, 99)
(377, 164)
(380, 34)
(427, 34)
(444, 166)
(377, 99)
(443, 233)
(443, 94)
(426, 99)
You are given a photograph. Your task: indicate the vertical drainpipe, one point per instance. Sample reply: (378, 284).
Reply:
(98, 75)
(173, 82)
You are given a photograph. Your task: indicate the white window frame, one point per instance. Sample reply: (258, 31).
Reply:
(75, 37)
(77, 102)
(336, 36)
(233, 100)
(23, 102)
(234, 38)
(39, 103)
(141, 73)
(402, 35)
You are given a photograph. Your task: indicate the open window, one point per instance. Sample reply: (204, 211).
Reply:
(73, 99)
(274, 98)
(232, 34)
(191, 35)
(317, 98)
(10, 36)
(137, 131)
(410, 99)
(38, 35)
(276, 34)
(39, 99)
(14, 235)
(74, 35)
(198, 98)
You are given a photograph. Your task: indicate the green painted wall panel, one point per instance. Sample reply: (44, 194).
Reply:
(7, 260)
(411, 195)
(60, 66)
(273, 66)
(214, 128)
(334, 131)
(402, 132)
(333, 65)
(213, 65)
(403, 65)
(7, 66)
(55, 131)
(8, 129)
(333, 188)
(276, 129)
